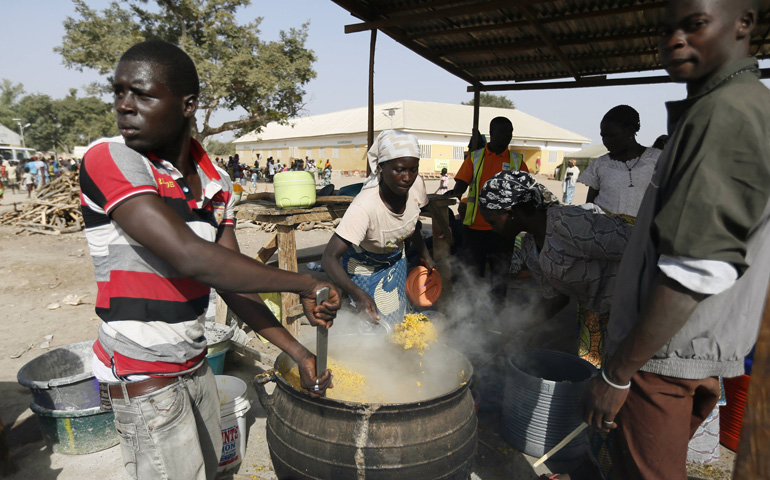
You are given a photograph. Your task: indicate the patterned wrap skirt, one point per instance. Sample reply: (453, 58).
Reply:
(383, 277)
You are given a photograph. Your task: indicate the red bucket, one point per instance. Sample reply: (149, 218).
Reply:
(731, 415)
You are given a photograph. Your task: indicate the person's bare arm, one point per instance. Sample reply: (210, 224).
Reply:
(592, 194)
(458, 190)
(331, 265)
(422, 249)
(252, 310)
(669, 308)
(153, 224)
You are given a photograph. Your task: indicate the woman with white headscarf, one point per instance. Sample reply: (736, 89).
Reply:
(365, 256)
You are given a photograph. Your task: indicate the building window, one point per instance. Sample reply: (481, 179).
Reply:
(335, 152)
(425, 151)
(322, 151)
(458, 153)
(270, 153)
(309, 152)
(553, 156)
(356, 147)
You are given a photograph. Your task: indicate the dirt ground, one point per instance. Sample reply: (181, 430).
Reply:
(38, 272)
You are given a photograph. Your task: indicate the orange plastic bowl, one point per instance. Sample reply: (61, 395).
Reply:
(423, 289)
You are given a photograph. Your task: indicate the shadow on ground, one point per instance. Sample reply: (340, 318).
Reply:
(30, 458)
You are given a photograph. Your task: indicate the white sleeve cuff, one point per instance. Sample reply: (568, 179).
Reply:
(707, 277)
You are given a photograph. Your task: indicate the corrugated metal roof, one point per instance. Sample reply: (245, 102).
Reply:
(8, 136)
(416, 117)
(487, 41)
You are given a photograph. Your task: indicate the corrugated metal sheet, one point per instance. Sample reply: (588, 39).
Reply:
(416, 117)
(8, 136)
(488, 41)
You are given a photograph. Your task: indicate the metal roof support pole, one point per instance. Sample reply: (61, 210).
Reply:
(370, 114)
(474, 145)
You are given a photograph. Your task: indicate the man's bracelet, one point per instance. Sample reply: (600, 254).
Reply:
(615, 385)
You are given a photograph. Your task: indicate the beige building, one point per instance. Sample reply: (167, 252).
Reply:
(442, 129)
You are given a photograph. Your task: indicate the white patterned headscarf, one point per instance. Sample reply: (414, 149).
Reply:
(507, 189)
(389, 145)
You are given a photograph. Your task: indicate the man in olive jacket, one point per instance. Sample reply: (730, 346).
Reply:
(692, 283)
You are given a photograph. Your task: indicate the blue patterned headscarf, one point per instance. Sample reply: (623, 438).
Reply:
(507, 189)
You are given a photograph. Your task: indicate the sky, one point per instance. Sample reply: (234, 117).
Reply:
(342, 68)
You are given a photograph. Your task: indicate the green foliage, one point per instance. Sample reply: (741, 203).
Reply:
(56, 124)
(9, 97)
(492, 100)
(220, 149)
(237, 70)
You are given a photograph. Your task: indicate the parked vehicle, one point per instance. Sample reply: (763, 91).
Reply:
(16, 153)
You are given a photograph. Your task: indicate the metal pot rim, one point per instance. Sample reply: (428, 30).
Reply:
(282, 383)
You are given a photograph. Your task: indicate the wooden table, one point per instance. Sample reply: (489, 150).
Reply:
(327, 209)
(284, 240)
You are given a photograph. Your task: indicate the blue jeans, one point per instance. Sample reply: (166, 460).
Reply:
(173, 433)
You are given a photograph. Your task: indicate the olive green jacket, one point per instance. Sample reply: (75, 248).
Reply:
(708, 199)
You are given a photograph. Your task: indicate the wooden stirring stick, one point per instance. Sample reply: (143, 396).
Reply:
(561, 444)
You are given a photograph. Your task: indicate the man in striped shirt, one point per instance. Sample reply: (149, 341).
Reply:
(159, 223)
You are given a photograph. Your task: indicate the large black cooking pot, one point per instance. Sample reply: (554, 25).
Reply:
(324, 438)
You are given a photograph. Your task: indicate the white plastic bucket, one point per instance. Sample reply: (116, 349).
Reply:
(233, 406)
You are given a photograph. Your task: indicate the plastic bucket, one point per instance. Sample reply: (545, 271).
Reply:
(217, 360)
(218, 338)
(294, 189)
(233, 406)
(62, 379)
(731, 415)
(76, 432)
(541, 402)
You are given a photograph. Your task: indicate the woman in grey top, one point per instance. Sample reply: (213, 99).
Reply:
(617, 181)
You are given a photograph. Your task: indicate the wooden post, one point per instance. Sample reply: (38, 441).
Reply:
(753, 461)
(442, 242)
(268, 249)
(370, 130)
(222, 313)
(287, 260)
(476, 106)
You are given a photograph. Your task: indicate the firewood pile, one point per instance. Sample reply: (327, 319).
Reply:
(53, 210)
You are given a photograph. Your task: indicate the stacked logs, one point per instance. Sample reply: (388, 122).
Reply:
(55, 209)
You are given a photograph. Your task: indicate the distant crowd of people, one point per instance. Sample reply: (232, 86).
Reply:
(17, 175)
(242, 173)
